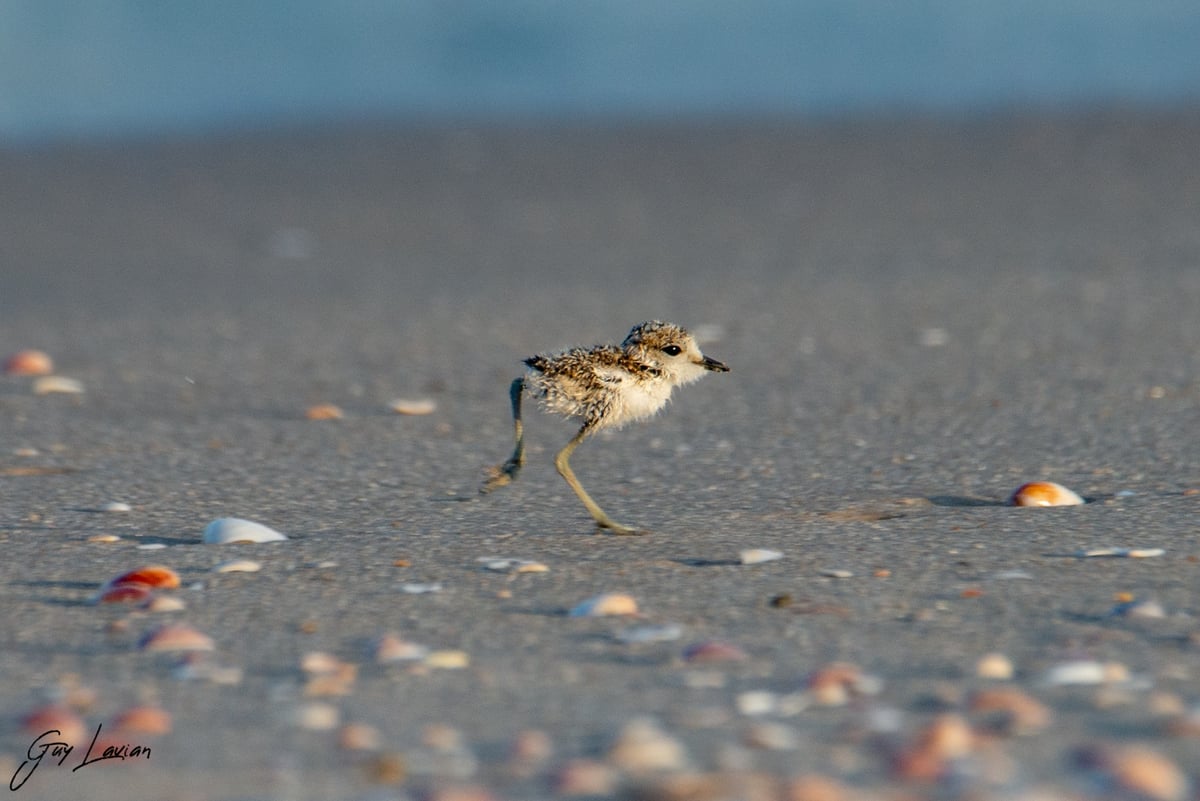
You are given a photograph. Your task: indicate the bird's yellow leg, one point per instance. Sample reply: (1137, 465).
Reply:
(562, 464)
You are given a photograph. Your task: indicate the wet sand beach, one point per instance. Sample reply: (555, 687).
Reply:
(919, 314)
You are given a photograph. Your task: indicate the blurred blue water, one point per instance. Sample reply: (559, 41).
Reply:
(88, 67)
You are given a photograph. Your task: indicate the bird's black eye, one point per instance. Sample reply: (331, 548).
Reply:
(672, 350)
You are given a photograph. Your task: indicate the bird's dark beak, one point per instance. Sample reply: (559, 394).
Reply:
(714, 365)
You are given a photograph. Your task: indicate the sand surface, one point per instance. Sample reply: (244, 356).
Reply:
(919, 316)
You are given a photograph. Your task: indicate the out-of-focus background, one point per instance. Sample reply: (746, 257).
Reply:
(82, 68)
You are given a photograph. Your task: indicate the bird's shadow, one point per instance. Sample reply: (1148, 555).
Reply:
(962, 500)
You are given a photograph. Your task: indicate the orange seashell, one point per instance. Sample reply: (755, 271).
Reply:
(29, 362)
(1013, 711)
(324, 411)
(947, 738)
(156, 576)
(612, 603)
(143, 720)
(833, 684)
(1043, 493)
(1135, 771)
(126, 592)
(53, 717)
(176, 637)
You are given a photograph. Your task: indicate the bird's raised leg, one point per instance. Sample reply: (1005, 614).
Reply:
(564, 469)
(505, 473)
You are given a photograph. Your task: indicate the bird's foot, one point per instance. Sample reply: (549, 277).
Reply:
(616, 528)
(500, 476)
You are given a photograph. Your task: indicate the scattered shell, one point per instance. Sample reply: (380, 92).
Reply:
(1146, 609)
(226, 530)
(1134, 771)
(393, 648)
(642, 747)
(337, 682)
(29, 362)
(176, 637)
(994, 666)
(320, 662)
(164, 603)
(411, 406)
(359, 737)
(1085, 672)
(836, 683)
(238, 566)
(1124, 553)
(316, 716)
(116, 507)
(157, 576)
(1186, 723)
(152, 546)
(144, 720)
(51, 384)
(323, 411)
(103, 538)
(388, 768)
(506, 565)
(713, 651)
(612, 603)
(1043, 493)
(754, 556)
(754, 703)
(947, 738)
(447, 660)
(1011, 711)
(421, 589)
(585, 777)
(815, 787)
(55, 717)
(837, 574)
(772, 737)
(531, 750)
(641, 635)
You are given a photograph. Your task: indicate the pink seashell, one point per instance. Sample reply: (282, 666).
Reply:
(176, 637)
(29, 362)
(157, 576)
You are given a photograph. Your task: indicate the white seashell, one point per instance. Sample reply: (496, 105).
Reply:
(238, 566)
(393, 648)
(421, 589)
(1130, 553)
(502, 564)
(411, 406)
(836, 573)
(642, 747)
(227, 530)
(447, 660)
(1085, 672)
(754, 556)
(152, 546)
(103, 538)
(49, 384)
(754, 703)
(316, 716)
(1146, 609)
(994, 666)
(116, 506)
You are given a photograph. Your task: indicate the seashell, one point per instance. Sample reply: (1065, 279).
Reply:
(1043, 493)
(116, 507)
(531, 749)
(152, 546)
(708, 651)
(946, 739)
(506, 565)
(1122, 553)
(1079, 672)
(994, 666)
(316, 716)
(57, 384)
(54, 717)
(238, 566)
(392, 648)
(359, 737)
(164, 603)
(226, 530)
(1012, 710)
(642, 747)
(1145, 609)
(421, 588)
(323, 411)
(835, 683)
(176, 637)
(608, 604)
(585, 777)
(157, 576)
(320, 663)
(337, 682)
(754, 556)
(1134, 771)
(447, 660)
(836, 573)
(143, 720)
(127, 592)
(103, 538)
(29, 362)
(421, 406)
(755, 703)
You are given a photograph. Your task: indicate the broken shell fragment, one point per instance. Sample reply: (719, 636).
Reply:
(994, 666)
(393, 648)
(754, 556)
(176, 637)
(226, 530)
(608, 604)
(29, 362)
(409, 406)
(1043, 493)
(238, 566)
(323, 411)
(57, 384)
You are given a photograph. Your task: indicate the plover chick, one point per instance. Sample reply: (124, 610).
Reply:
(606, 387)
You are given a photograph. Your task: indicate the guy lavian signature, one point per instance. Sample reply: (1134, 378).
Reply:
(46, 745)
